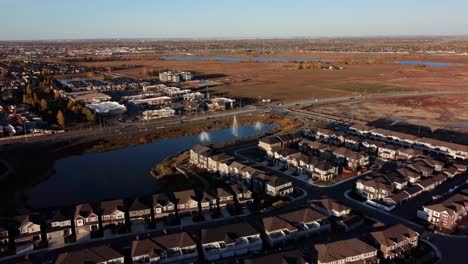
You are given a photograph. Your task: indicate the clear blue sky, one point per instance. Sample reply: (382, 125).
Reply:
(83, 19)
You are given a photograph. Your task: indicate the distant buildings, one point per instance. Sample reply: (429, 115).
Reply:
(108, 108)
(88, 97)
(175, 77)
(158, 114)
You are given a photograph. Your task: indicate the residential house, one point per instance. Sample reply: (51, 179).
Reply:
(314, 148)
(186, 202)
(278, 230)
(413, 190)
(349, 158)
(99, 254)
(329, 136)
(304, 145)
(282, 155)
(388, 152)
(199, 156)
(409, 173)
(330, 206)
(58, 225)
(208, 202)
(278, 186)
(85, 219)
(223, 197)
(259, 182)
(307, 220)
(397, 198)
(427, 184)
(224, 167)
(361, 130)
(112, 212)
(352, 142)
(139, 211)
(163, 206)
(421, 166)
(247, 173)
(242, 194)
(398, 181)
(268, 143)
(235, 169)
(445, 214)
(145, 251)
(325, 170)
(215, 161)
(176, 247)
(395, 240)
(371, 146)
(304, 163)
(346, 251)
(29, 228)
(229, 240)
(374, 188)
(408, 153)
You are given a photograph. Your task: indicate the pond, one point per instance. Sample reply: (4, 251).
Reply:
(240, 59)
(429, 63)
(121, 173)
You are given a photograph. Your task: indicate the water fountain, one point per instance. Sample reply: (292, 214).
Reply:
(204, 136)
(258, 126)
(235, 127)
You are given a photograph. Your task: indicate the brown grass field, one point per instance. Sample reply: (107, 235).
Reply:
(282, 81)
(439, 111)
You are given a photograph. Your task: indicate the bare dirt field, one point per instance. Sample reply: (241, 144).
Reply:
(438, 111)
(284, 82)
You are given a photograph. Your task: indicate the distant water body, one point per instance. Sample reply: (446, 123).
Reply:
(240, 59)
(430, 63)
(120, 173)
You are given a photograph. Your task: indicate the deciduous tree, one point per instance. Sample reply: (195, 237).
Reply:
(60, 119)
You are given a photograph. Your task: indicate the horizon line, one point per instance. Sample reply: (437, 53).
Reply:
(232, 38)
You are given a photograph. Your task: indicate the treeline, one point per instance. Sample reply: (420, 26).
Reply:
(54, 108)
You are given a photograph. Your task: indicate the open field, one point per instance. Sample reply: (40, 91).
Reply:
(441, 111)
(282, 81)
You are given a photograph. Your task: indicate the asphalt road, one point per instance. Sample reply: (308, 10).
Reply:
(122, 128)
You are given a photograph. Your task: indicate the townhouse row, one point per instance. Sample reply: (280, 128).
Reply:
(386, 244)
(228, 167)
(85, 218)
(453, 150)
(417, 175)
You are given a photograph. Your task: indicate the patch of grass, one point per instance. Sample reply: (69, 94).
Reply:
(365, 88)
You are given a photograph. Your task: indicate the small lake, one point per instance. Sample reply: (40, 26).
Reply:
(120, 173)
(240, 59)
(459, 125)
(429, 63)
